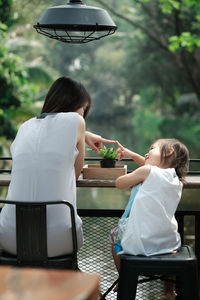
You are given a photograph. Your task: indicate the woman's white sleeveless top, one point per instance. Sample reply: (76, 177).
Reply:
(44, 153)
(152, 227)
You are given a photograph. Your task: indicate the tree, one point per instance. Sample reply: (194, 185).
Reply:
(14, 89)
(12, 85)
(6, 16)
(173, 27)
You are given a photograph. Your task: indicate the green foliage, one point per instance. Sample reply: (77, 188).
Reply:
(12, 80)
(6, 129)
(108, 153)
(169, 5)
(186, 41)
(183, 128)
(146, 128)
(187, 13)
(6, 11)
(13, 85)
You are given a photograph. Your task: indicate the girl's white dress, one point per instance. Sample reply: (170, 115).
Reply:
(44, 153)
(152, 227)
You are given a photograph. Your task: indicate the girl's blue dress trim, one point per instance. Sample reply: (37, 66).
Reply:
(126, 213)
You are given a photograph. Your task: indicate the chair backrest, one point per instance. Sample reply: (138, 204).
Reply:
(31, 231)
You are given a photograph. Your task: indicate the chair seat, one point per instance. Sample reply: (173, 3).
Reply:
(58, 262)
(182, 256)
(181, 264)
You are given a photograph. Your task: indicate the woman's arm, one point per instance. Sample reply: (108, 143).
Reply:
(96, 141)
(80, 146)
(133, 178)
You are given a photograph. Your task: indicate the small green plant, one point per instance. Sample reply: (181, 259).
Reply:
(108, 153)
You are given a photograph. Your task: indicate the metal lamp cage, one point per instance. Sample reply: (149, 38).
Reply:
(72, 36)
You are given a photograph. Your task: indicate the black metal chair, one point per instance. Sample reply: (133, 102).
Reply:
(182, 265)
(31, 238)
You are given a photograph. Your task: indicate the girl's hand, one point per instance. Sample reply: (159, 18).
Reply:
(96, 141)
(123, 152)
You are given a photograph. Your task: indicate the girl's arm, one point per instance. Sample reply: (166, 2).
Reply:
(124, 152)
(80, 146)
(133, 178)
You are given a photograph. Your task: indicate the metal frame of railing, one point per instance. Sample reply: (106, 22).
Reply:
(5, 158)
(192, 160)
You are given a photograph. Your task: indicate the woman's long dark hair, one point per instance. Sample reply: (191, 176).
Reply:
(66, 95)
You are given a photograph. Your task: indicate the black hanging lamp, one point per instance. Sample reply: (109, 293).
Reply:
(75, 23)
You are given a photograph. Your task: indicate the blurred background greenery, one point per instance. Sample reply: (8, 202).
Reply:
(144, 80)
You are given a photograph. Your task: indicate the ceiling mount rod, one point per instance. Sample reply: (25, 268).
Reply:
(75, 1)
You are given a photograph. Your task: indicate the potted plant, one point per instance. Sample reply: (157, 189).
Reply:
(109, 157)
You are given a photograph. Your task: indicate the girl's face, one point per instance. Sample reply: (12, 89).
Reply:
(154, 156)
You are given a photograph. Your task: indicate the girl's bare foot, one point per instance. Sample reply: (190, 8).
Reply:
(169, 290)
(115, 288)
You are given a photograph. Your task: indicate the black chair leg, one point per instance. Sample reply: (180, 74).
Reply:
(189, 286)
(179, 289)
(127, 285)
(103, 297)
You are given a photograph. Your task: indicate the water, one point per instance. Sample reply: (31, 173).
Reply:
(111, 198)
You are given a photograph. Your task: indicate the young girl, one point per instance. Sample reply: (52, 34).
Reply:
(157, 190)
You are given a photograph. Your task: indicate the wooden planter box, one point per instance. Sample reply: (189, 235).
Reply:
(96, 172)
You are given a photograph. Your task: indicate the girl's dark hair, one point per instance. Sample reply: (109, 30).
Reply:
(66, 95)
(179, 159)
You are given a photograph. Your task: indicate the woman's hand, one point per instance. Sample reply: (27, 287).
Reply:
(96, 141)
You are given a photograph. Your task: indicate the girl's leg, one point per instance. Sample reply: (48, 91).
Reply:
(169, 289)
(117, 264)
(113, 240)
(116, 258)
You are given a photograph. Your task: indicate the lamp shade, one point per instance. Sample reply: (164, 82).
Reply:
(75, 23)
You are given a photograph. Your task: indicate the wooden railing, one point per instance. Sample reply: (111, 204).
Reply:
(191, 172)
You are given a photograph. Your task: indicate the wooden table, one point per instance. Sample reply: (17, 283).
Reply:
(192, 182)
(43, 284)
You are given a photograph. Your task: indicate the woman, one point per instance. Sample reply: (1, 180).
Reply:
(48, 155)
